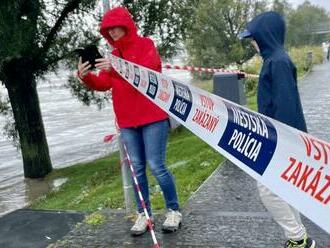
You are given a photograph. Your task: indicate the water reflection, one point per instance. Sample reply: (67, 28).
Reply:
(35, 188)
(22, 194)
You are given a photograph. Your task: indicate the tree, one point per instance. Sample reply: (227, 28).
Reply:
(282, 7)
(168, 20)
(302, 23)
(31, 45)
(213, 40)
(35, 35)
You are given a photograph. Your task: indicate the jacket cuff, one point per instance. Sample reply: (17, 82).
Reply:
(83, 79)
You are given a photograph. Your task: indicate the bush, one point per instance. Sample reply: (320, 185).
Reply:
(250, 84)
(253, 66)
(299, 56)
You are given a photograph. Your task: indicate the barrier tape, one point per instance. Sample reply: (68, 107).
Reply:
(209, 70)
(291, 163)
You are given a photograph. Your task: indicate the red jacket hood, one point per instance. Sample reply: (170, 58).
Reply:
(118, 17)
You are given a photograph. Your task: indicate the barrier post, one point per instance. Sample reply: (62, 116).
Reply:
(230, 87)
(127, 182)
(309, 61)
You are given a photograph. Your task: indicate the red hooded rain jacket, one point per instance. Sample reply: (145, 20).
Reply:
(131, 107)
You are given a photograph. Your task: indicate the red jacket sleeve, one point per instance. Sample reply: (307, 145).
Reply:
(100, 82)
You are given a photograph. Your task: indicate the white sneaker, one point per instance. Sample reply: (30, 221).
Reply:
(141, 225)
(173, 221)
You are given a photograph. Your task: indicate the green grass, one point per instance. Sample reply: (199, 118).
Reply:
(89, 186)
(251, 100)
(97, 185)
(95, 219)
(203, 84)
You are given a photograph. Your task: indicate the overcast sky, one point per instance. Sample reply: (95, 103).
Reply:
(323, 3)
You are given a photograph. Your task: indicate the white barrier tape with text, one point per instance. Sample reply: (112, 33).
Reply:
(291, 163)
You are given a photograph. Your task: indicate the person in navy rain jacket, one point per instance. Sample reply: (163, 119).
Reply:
(278, 98)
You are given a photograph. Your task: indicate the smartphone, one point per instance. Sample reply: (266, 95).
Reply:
(89, 53)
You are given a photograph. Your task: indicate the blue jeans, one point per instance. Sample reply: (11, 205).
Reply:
(148, 144)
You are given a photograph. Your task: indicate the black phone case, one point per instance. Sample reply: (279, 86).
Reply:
(89, 53)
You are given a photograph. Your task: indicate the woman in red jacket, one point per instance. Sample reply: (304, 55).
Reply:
(143, 125)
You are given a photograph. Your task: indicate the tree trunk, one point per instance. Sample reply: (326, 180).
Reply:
(28, 121)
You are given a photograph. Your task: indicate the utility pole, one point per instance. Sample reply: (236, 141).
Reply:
(125, 171)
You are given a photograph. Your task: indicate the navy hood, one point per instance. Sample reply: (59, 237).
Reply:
(268, 30)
